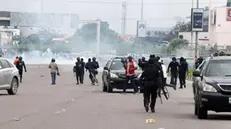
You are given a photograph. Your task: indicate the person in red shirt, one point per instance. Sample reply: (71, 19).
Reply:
(130, 68)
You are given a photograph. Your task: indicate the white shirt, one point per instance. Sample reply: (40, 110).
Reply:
(164, 70)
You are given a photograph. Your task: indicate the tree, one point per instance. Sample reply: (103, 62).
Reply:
(181, 26)
(176, 44)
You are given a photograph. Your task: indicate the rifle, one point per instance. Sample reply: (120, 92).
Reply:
(159, 90)
(159, 94)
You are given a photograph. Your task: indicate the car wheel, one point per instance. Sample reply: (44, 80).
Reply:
(109, 89)
(14, 87)
(104, 87)
(202, 112)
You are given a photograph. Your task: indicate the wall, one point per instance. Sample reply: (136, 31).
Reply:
(221, 31)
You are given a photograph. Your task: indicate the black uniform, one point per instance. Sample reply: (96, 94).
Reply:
(173, 65)
(143, 64)
(91, 67)
(82, 70)
(20, 65)
(150, 76)
(79, 70)
(183, 68)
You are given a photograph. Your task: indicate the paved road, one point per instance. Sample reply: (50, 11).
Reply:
(67, 106)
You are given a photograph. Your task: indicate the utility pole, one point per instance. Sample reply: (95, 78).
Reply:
(124, 18)
(196, 42)
(41, 6)
(191, 25)
(142, 18)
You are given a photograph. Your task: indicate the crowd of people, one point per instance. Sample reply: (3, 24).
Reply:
(79, 69)
(153, 76)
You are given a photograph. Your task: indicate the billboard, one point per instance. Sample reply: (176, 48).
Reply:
(141, 29)
(197, 19)
(228, 3)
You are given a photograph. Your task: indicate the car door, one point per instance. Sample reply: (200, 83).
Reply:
(6, 72)
(198, 79)
(1, 76)
(106, 72)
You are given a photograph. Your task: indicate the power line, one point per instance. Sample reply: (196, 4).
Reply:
(130, 3)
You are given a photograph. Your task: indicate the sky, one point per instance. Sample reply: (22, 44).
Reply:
(157, 13)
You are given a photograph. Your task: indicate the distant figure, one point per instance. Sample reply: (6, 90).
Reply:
(82, 70)
(16, 60)
(20, 65)
(183, 68)
(53, 70)
(79, 70)
(174, 66)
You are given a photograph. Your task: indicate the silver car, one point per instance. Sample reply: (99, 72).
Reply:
(9, 77)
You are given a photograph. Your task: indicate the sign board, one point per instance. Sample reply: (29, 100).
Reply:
(228, 3)
(228, 14)
(197, 19)
(141, 29)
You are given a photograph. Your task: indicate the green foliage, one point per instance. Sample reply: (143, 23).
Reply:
(177, 43)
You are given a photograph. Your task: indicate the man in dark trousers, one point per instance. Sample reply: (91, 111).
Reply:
(150, 76)
(183, 68)
(91, 69)
(78, 70)
(174, 66)
(82, 70)
(20, 65)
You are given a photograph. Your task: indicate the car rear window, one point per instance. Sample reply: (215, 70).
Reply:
(218, 68)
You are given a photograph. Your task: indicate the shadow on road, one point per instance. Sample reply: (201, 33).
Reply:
(219, 117)
(114, 92)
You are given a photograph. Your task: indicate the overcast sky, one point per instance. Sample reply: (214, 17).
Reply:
(158, 13)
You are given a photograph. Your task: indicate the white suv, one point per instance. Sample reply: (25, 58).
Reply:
(9, 77)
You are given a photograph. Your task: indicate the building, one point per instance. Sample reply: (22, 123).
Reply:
(31, 23)
(220, 26)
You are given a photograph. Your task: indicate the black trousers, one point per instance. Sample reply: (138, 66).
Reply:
(182, 78)
(150, 95)
(131, 79)
(20, 74)
(79, 77)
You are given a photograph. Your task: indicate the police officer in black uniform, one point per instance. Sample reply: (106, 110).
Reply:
(82, 70)
(150, 78)
(183, 68)
(20, 65)
(78, 70)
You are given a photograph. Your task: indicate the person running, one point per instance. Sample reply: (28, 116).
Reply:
(130, 68)
(90, 67)
(20, 65)
(150, 76)
(54, 70)
(183, 68)
(16, 60)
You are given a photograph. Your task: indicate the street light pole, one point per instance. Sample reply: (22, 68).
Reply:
(41, 7)
(142, 17)
(191, 25)
(196, 42)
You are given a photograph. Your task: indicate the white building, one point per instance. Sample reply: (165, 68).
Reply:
(220, 26)
(219, 29)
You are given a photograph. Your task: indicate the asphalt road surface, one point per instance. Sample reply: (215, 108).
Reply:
(39, 105)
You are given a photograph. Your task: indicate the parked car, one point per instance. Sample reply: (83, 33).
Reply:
(9, 77)
(212, 86)
(114, 75)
